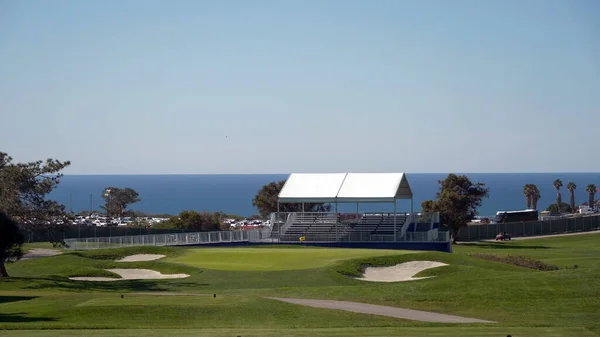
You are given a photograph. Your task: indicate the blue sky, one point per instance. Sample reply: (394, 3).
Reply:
(141, 87)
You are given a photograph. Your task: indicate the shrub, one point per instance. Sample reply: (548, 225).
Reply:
(517, 260)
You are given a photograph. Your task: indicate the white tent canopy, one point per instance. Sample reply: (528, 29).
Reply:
(311, 187)
(345, 188)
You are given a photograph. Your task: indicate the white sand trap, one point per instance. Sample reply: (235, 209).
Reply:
(40, 252)
(400, 272)
(132, 274)
(141, 258)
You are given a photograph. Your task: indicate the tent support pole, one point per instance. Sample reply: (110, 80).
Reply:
(395, 237)
(336, 221)
(277, 219)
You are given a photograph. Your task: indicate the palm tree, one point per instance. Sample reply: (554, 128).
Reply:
(527, 193)
(572, 187)
(558, 184)
(535, 196)
(591, 189)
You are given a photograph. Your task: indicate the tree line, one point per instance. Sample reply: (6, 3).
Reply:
(532, 196)
(200, 221)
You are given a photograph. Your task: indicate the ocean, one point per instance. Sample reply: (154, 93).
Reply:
(232, 194)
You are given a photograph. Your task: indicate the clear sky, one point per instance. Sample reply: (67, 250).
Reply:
(127, 87)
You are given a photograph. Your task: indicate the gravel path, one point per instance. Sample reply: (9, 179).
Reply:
(381, 310)
(40, 252)
(546, 236)
(553, 235)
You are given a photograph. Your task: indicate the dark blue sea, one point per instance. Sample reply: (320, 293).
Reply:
(233, 194)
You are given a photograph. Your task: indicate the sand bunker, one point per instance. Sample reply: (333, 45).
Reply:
(131, 274)
(400, 272)
(40, 252)
(141, 258)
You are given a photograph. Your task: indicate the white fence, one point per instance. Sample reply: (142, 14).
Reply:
(174, 239)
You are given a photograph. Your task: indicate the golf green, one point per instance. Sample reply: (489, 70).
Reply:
(273, 259)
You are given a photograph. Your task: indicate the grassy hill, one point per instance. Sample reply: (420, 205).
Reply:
(480, 282)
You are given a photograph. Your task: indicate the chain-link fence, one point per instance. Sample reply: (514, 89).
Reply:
(171, 239)
(531, 228)
(41, 234)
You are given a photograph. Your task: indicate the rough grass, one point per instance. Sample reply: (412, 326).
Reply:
(304, 332)
(163, 312)
(524, 301)
(518, 260)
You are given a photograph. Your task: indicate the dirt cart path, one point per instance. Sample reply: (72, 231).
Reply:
(555, 235)
(546, 236)
(381, 310)
(40, 252)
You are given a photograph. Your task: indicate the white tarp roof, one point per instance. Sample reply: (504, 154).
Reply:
(311, 187)
(345, 187)
(374, 187)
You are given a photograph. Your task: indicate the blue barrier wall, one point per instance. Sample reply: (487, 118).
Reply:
(428, 246)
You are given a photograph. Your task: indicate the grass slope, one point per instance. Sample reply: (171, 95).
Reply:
(524, 301)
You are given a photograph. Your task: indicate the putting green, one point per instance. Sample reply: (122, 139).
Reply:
(272, 259)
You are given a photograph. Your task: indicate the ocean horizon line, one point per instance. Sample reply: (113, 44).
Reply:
(274, 174)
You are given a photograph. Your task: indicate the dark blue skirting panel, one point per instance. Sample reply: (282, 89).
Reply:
(429, 246)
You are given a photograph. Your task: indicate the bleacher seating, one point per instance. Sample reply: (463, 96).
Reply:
(329, 226)
(386, 226)
(380, 224)
(311, 224)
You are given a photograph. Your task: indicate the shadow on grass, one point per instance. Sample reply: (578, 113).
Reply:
(19, 318)
(8, 299)
(59, 283)
(500, 245)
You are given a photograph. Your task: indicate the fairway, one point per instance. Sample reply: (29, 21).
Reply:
(274, 259)
(302, 332)
(229, 292)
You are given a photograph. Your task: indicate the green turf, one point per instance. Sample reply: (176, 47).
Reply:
(273, 259)
(302, 332)
(523, 301)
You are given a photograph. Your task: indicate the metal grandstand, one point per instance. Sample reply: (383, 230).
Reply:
(355, 188)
